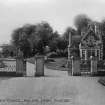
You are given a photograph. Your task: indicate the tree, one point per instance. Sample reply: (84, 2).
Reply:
(21, 39)
(32, 39)
(45, 32)
(53, 42)
(69, 30)
(61, 46)
(8, 50)
(81, 22)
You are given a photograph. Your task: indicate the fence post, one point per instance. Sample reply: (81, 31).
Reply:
(39, 63)
(69, 66)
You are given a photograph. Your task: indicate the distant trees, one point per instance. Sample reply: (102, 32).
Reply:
(53, 42)
(8, 50)
(61, 47)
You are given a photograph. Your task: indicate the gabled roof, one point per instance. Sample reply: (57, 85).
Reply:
(93, 30)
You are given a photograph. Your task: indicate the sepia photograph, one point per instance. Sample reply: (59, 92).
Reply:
(52, 52)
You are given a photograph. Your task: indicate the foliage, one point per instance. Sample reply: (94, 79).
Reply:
(61, 46)
(8, 50)
(81, 22)
(2, 64)
(32, 39)
(53, 42)
(69, 30)
(74, 42)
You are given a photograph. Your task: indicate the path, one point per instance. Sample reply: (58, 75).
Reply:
(56, 88)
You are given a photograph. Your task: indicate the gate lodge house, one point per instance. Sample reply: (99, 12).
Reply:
(90, 47)
(91, 43)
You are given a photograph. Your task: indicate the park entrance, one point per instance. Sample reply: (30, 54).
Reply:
(85, 66)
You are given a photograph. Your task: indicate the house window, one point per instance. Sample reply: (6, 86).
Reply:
(83, 54)
(91, 52)
(98, 54)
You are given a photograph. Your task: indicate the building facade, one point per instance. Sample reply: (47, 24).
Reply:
(91, 43)
(90, 48)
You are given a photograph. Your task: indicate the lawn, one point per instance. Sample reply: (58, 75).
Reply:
(57, 64)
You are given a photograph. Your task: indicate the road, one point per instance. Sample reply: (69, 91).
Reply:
(60, 89)
(51, 91)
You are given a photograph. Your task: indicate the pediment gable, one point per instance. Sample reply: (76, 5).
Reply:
(91, 38)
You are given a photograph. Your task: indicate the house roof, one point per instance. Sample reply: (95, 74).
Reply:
(94, 28)
(76, 38)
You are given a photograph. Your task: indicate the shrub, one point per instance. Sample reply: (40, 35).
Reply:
(2, 64)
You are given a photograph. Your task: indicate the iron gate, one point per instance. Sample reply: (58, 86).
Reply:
(85, 66)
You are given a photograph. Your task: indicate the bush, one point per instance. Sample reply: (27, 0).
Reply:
(2, 64)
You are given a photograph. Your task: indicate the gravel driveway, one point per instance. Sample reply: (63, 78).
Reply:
(51, 90)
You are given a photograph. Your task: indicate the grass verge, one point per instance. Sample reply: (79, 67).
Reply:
(102, 80)
(57, 64)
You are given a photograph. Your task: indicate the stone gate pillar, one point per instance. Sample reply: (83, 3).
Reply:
(19, 66)
(39, 63)
(69, 66)
(24, 67)
(93, 65)
(76, 67)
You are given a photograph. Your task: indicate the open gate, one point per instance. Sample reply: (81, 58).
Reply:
(85, 66)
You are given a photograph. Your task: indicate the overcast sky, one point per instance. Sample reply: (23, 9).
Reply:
(59, 13)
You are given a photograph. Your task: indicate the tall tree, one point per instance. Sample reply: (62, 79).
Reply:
(81, 22)
(53, 42)
(32, 39)
(21, 38)
(8, 50)
(69, 30)
(61, 46)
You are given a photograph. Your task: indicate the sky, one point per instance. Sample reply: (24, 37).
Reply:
(59, 14)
